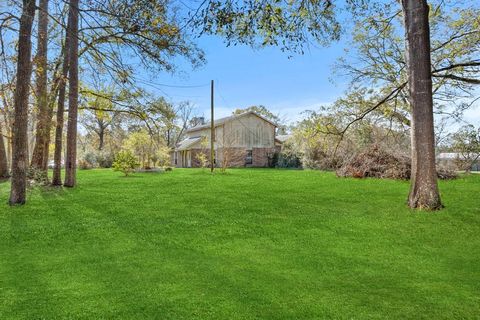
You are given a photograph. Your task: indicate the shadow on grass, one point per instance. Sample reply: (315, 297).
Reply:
(133, 176)
(201, 172)
(52, 191)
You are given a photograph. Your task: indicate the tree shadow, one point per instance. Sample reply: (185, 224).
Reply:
(49, 191)
(133, 176)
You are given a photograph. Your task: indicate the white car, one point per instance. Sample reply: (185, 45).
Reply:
(51, 164)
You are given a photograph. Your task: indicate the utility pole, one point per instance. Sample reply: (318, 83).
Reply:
(212, 131)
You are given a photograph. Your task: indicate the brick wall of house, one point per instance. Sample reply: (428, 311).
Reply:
(236, 157)
(261, 156)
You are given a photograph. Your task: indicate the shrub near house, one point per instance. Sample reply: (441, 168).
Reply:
(126, 162)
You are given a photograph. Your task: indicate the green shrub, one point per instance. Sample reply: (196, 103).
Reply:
(104, 159)
(36, 177)
(126, 162)
(84, 164)
(88, 161)
(285, 160)
(163, 157)
(96, 159)
(202, 159)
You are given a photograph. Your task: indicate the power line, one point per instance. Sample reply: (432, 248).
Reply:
(240, 121)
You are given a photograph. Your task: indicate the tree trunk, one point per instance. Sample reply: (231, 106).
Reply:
(8, 126)
(57, 155)
(424, 192)
(52, 99)
(9, 135)
(20, 138)
(46, 150)
(101, 138)
(71, 160)
(3, 157)
(41, 60)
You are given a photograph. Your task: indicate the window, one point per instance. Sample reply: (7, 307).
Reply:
(249, 157)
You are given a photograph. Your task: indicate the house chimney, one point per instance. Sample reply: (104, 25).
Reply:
(197, 121)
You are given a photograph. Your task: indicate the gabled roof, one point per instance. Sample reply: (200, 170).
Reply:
(187, 143)
(283, 137)
(219, 122)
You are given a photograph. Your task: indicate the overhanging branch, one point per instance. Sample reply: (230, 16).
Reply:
(454, 77)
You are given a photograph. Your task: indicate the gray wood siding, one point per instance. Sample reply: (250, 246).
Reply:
(247, 132)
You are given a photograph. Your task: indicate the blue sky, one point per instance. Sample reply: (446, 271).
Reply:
(245, 76)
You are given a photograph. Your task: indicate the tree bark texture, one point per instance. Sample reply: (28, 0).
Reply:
(20, 138)
(41, 61)
(8, 126)
(71, 160)
(3, 157)
(101, 138)
(62, 86)
(424, 193)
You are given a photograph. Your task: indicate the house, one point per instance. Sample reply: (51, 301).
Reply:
(451, 159)
(281, 139)
(241, 140)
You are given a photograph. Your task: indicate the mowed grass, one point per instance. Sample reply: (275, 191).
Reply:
(250, 244)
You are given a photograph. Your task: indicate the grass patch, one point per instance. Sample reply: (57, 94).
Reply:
(249, 244)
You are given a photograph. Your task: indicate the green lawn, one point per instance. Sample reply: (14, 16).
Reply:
(250, 244)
